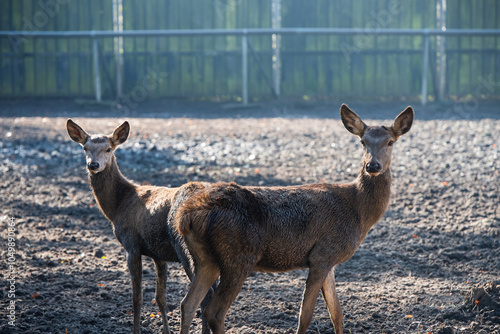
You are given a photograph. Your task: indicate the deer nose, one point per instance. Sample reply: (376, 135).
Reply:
(373, 167)
(93, 165)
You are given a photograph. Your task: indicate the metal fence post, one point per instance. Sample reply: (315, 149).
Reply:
(276, 46)
(244, 66)
(97, 74)
(425, 69)
(441, 49)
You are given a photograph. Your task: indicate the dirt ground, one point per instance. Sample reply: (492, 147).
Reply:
(431, 265)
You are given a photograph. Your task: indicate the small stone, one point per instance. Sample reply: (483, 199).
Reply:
(99, 253)
(473, 325)
(446, 330)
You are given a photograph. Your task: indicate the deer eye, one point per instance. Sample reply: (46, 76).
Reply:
(363, 142)
(84, 149)
(390, 143)
(108, 150)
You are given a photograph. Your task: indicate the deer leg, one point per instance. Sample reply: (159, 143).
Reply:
(314, 282)
(229, 286)
(205, 329)
(332, 301)
(161, 280)
(204, 277)
(134, 263)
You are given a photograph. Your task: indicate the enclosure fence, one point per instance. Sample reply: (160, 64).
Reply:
(153, 76)
(247, 50)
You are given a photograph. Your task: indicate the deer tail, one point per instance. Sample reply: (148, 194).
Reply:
(192, 213)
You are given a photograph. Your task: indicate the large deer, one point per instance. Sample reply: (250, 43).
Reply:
(232, 230)
(137, 213)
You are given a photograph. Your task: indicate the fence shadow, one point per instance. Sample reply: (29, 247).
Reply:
(472, 109)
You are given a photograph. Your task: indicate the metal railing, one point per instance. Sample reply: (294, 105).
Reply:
(245, 33)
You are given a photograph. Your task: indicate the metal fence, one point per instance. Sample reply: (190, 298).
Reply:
(153, 77)
(194, 48)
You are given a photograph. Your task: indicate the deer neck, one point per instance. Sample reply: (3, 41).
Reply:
(110, 189)
(373, 195)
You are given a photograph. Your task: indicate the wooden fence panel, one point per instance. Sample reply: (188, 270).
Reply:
(472, 61)
(362, 65)
(49, 66)
(198, 66)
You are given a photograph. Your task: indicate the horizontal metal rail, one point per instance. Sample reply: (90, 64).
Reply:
(251, 31)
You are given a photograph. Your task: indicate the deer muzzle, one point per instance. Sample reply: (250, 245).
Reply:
(373, 167)
(93, 166)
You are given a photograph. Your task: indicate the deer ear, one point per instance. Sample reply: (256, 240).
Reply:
(402, 123)
(352, 121)
(120, 134)
(76, 133)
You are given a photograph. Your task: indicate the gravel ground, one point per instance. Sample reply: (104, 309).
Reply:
(431, 265)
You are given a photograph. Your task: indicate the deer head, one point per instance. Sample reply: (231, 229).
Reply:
(99, 149)
(377, 141)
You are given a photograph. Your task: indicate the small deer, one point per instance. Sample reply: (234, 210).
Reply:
(232, 231)
(138, 215)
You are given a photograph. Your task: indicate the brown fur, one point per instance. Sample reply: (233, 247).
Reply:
(138, 215)
(233, 230)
